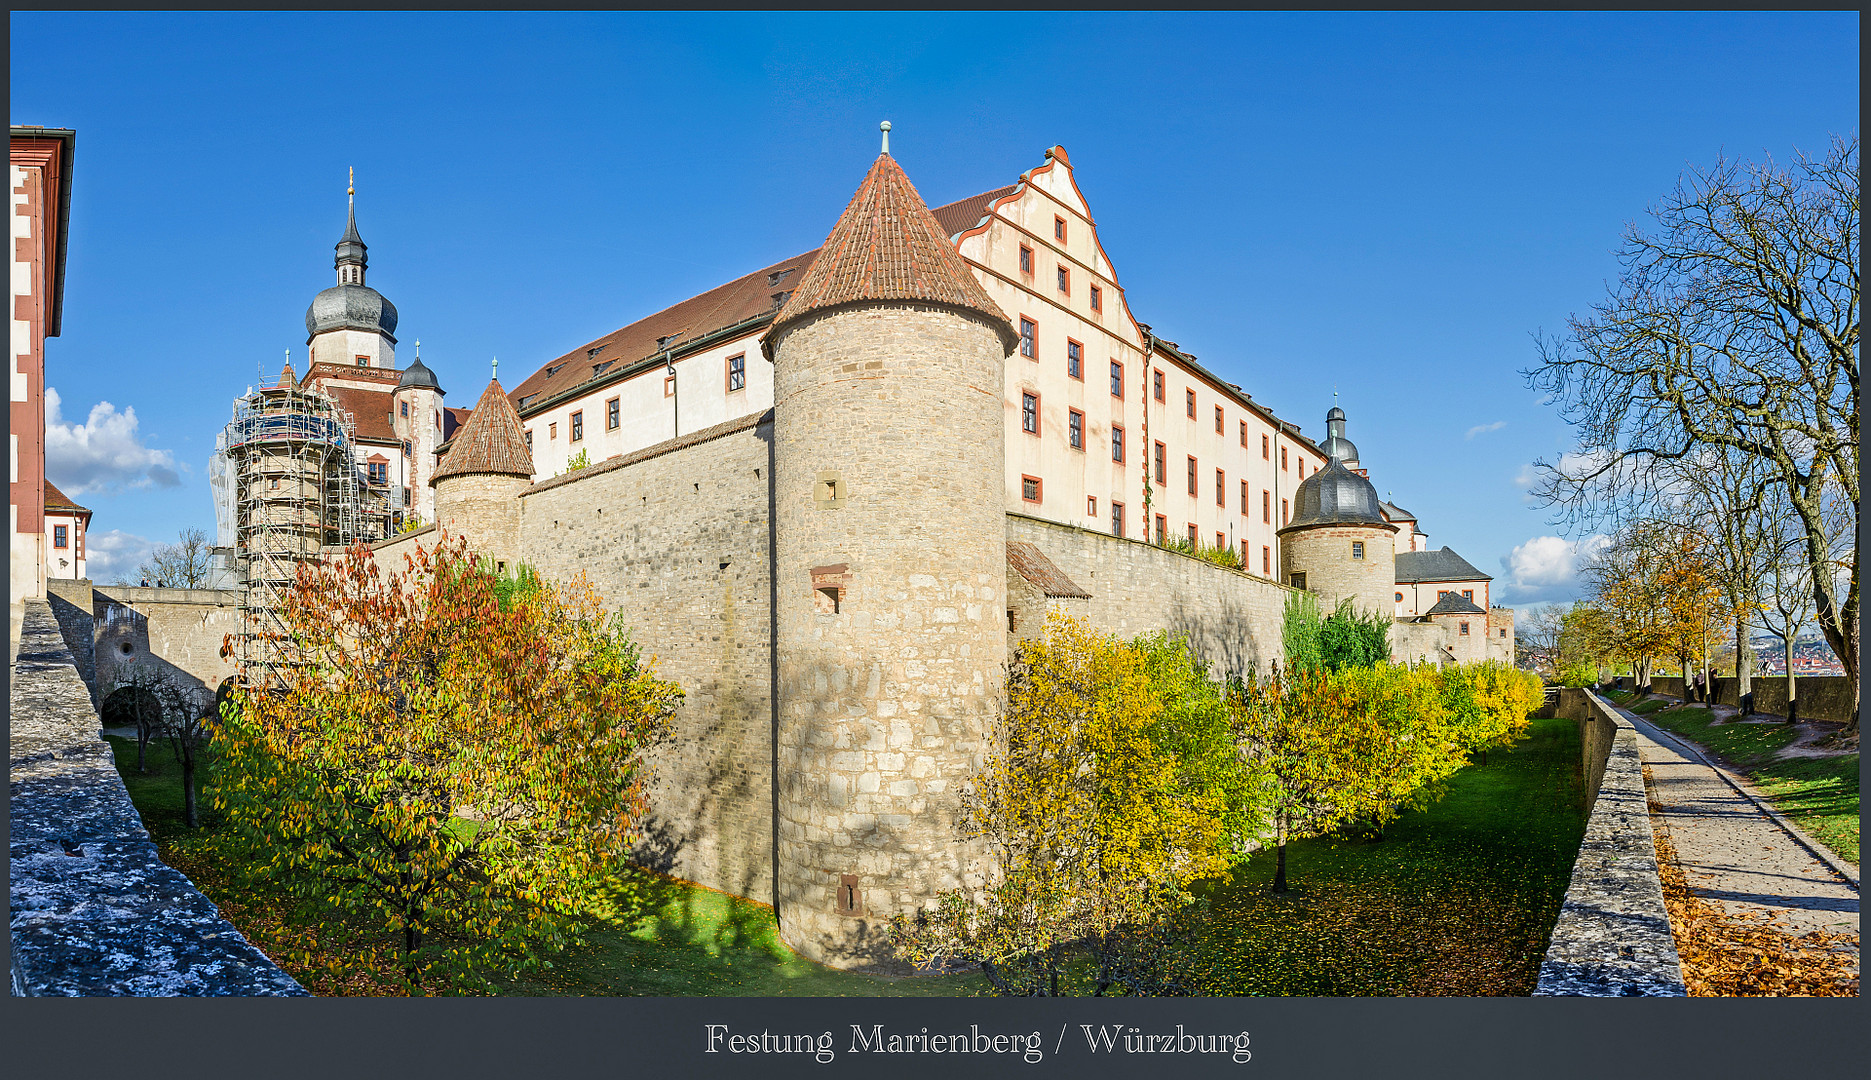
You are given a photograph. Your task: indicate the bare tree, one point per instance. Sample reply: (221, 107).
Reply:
(1734, 325)
(185, 564)
(1536, 637)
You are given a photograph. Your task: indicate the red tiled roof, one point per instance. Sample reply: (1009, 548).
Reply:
(492, 441)
(887, 245)
(738, 301)
(369, 409)
(453, 420)
(1032, 564)
(57, 500)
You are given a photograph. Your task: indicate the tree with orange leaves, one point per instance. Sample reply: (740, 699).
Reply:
(453, 766)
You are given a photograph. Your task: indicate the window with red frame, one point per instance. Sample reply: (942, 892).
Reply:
(1159, 386)
(1193, 541)
(1075, 428)
(1117, 443)
(1244, 491)
(1188, 401)
(1075, 359)
(1263, 448)
(1029, 338)
(1117, 380)
(1286, 512)
(1266, 560)
(1162, 461)
(1117, 519)
(1029, 412)
(1243, 433)
(1097, 298)
(1058, 228)
(1219, 419)
(1065, 281)
(1091, 506)
(1026, 260)
(1266, 506)
(1192, 487)
(1282, 459)
(1030, 488)
(1162, 528)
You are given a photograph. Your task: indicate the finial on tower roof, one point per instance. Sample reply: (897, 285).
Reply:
(885, 128)
(418, 349)
(350, 186)
(496, 367)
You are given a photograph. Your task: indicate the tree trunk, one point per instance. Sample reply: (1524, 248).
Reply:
(1279, 867)
(142, 742)
(1744, 661)
(1793, 701)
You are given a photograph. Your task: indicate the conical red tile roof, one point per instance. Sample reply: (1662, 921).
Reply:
(888, 246)
(492, 441)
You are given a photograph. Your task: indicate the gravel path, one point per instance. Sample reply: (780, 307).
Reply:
(1734, 854)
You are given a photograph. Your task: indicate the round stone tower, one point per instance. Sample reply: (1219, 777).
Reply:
(890, 569)
(1338, 544)
(479, 481)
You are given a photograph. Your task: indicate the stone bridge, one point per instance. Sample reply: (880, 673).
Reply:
(135, 644)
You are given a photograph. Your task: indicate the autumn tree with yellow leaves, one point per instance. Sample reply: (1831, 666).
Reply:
(450, 773)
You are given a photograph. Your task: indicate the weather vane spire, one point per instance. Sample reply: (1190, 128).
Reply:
(350, 184)
(496, 367)
(885, 128)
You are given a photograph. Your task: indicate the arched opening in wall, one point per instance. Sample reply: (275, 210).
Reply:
(127, 706)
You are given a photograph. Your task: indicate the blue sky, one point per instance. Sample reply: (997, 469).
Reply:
(1388, 204)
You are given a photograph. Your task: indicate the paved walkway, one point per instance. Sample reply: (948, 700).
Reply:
(1734, 854)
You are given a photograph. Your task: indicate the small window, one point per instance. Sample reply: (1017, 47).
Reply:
(1074, 359)
(1221, 488)
(578, 426)
(737, 373)
(1188, 403)
(1302, 468)
(1266, 560)
(1117, 380)
(1282, 459)
(1244, 563)
(1192, 488)
(379, 473)
(1468, 595)
(1299, 581)
(1159, 386)
(1097, 298)
(1075, 428)
(1029, 412)
(405, 496)
(404, 405)
(1503, 633)
(1058, 228)
(529, 441)
(363, 361)
(1091, 506)
(1266, 507)
(1243, 433)
(59, 533)
(612, 417)
(552, 431)
(1030, 488)
(407, 451)
(1357, 549)
(1029, 338)
(1263, 446)
(1286, 512)
(1244, 493)
(1464, 629)
(1219, 418)
(1193, 542)
(1117, 443)
(1162, 455)
(1117, 519)
(1065, 281)
(1162, 529)
(1026, 259)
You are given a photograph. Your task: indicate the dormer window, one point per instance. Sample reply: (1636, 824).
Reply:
(599, 369)
(779, 299)
(553, 370)
(665, 341)
(592, 353)
(778, 276)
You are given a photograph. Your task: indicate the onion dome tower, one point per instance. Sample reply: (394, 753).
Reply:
(351, 323)
(479, 481)
(416, 417)
(890, 569)
(1338, 544)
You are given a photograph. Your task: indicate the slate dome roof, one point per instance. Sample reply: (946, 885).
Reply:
(418, 375)
(350, 307)
(1335, 495)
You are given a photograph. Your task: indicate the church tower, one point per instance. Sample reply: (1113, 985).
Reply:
(351, 323)
(890, 569)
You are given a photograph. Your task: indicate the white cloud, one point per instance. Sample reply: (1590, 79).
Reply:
(115, 553)
(1483, 429)
(1546, 568)
(105, 454)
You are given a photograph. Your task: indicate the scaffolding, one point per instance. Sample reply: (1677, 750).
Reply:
(287, 488)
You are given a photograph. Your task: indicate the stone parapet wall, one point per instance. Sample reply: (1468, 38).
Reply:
(94, 911)
(1822, 697)
(675, 539)
(1613, 936)
(71, 603)
(1231, 619)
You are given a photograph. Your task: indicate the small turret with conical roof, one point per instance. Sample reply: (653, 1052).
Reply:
(416, 417)
(890, 639)
(479, 481)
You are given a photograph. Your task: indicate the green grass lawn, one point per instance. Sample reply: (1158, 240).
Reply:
(1457, 899)
(1818, 794)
